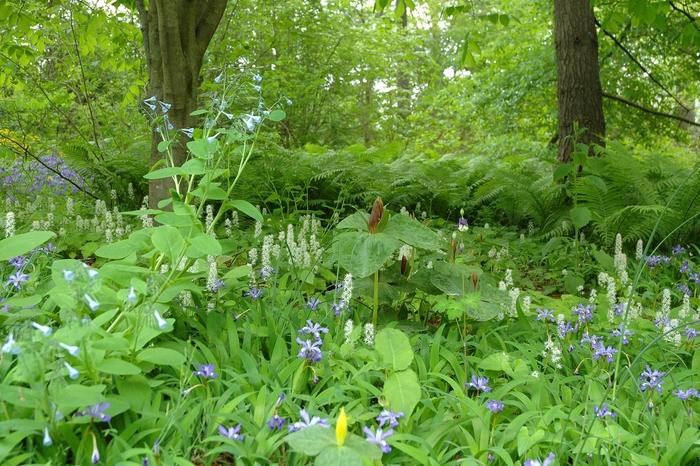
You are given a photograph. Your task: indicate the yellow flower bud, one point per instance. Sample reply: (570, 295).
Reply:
(341, 427)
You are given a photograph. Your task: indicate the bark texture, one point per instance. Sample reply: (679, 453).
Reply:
(176, 34)
(579, 92)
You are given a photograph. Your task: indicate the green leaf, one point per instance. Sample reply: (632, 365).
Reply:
(118, 250)
(580, 216)
(77, 396)
(277, 115)
(362, 253)
(527, 441)
(402, 391)
(312, 440)
(245, 207)
(203, 148)
(394, 349)
(118, 367)
(166, 172)
(412, 232)
(561, 171)
(203, 245)
(496, 362)
(339, 456)
(162, 356)
(169, 242)
(357, 221)
(163, 146)
(23, 243)
(194, 167)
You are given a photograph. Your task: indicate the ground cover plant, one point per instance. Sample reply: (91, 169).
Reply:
(301, 252)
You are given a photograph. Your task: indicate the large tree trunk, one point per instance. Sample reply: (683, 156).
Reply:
(176, 34)
(579, 93)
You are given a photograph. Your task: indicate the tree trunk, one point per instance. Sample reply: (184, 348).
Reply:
(176, 34)
(579, 93)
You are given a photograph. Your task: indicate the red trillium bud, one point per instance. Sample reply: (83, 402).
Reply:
(376, 215)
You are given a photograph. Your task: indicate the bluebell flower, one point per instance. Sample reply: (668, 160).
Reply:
(593, 340)
(654, 261)
(603, 411)
(72, 371)
(480, 384)
(652, 380)
(251, 121)
(495, 406)
(206, 371)
(92, 273)
(162, 323)
(151, 102)
(378, 437)
(97, 411)
(231, 433)
(11, 346)
(690, 333)
(45, 330)
(338, 308)
(92, 303)
(307, 421)
(276, 423)
(313, 329)
(545, 315)
(684, 395)
(389, 416)
(164, 107)
(257, 78)
(47, 442)
(95, 456)
(131, 297)
(310, 350)
(619, 308)
(17, 278)
(536, 462)
(462, 224)
(18, 262)
(189, 132)
(254, 293)
(72, 350)
(564, 327)
(68, 275)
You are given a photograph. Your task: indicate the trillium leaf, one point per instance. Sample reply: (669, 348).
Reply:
(394, 348)
(23, 243)
(312, 440)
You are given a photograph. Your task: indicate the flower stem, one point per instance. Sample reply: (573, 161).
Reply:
(375, 304)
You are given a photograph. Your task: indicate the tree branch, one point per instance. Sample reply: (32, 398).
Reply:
(685, 13)
(650, 110)
(642, 67)
(208, 22)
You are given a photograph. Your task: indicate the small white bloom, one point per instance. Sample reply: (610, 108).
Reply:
(72, 350)
(131, 297)
(47, 442)
(162, 324)
(72, 371)
(91, 302)
(45, 330)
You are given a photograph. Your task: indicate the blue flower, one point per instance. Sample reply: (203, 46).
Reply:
(17, 278)
(313, 303)
(684, 395)
(600, 350)
(47, 442)
(72, 350)
(603, 411)
(131, 297)
(480, 384)
(206, 371)
(72, 371)
(254, 293)
(690, 333)
(652, 380)
(18, 262)
(462, 224)
(545, 314)
(92, 303)
(379, 437)
(231, 433)
(97, 412)
(45, 330)
(584, 313)
(276, 423)
(68, 275)
(310, 350)
(11, 346)
(389, 416)
(685, 267)
(189, 132)
(162, 323)
(536, 462)
(677, 249)
(151, 102)
(313, 329)
(495, 406)
(307, 421)
(683, 288)
(621, 331)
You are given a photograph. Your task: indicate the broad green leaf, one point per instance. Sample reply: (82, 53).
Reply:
(117, 250)
(168, 241)
(580, 216)
(402, 391)
(394, 349)
(203, 245)
(23, 243)
(357, 221)
(312, 440)
(496, 362)
(166, 172)
(203, 148)
(527, 441)
(118, 367)
(194, 167)
(339, 456)
(412, 232)
(245, 207)
(277, 115)
(162, 356)
(78, 396)
(362, 253)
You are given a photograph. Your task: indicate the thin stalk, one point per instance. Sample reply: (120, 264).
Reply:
(375, 304)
